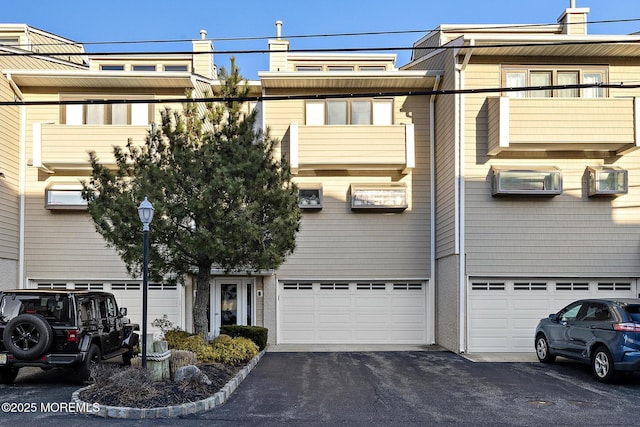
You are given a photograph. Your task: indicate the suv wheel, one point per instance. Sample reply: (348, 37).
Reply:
(602, 365)
(27, 336)
(8, 374)
(542, 350)
(93, 357)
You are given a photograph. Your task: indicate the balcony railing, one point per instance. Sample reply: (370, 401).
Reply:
(608, 126)
(67, 146)
(350, 147)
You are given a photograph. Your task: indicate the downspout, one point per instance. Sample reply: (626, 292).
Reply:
(23, 187)
(432, 226)
(22, 177)
(460, 191)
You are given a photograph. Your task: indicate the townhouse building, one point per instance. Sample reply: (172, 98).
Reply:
(536, 191)
(454, 200)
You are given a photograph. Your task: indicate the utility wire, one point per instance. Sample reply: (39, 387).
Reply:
(426, 92)
(329, 50)
(463, 27)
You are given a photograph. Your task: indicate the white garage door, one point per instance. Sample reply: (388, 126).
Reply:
(503, 314)
(162, 299)
(352, 313)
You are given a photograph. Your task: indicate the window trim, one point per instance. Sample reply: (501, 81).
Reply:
(603, 70)
(310, 196)
(594, 182)
(349, 113)
(497, 189)
(61, 188)
(107, 119)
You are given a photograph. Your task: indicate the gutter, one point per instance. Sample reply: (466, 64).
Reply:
(460, 209)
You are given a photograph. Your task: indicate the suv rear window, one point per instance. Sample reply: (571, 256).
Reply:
(53, 307)
(634, 312)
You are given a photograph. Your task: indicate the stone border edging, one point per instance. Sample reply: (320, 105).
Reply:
(168, 411)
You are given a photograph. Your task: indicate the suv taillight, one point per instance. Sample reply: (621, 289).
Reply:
(73, 335)
(627, 327)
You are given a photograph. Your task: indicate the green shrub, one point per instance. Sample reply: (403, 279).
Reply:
(224, 349)
(256, 334)
(235, 351)
(176, 337)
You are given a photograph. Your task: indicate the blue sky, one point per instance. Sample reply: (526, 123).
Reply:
(136, 20)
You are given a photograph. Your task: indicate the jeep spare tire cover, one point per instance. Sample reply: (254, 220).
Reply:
(27, 336)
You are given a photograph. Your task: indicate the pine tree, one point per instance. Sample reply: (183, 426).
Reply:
(221, 199)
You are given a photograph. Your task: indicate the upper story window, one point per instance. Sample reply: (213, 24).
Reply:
(106, 114)
(377, 111)
(309, 68)
(176, 68)
(513, 77)
(340, 68)
(112, 67)
(146, 67)
(10, 41)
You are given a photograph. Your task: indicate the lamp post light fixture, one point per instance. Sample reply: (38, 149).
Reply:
(145, 212)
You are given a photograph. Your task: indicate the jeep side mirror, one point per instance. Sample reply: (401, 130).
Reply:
(553, 317)
(123, 311)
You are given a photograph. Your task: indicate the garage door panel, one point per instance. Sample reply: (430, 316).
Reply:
(353, 313)
(503, 314)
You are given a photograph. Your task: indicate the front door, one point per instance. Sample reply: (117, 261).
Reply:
(232, 302)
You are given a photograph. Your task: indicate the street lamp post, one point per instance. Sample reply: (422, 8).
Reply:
(145, 212)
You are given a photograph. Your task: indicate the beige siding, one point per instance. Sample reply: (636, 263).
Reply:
(566, 235)
(446, 165)
(344, 145)
(9, 181)
(338, 243)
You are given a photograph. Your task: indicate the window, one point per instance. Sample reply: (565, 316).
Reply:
(532, 181)
(515, 77)
(310, 196)
(350, 112)
(176, 68)
(607, 181)
(340, 68)
(112, 67)
(144, 68)
(10, 41)
(309, 68)
(65, 196)
(137, 114)
(379, 197)
(372, 68)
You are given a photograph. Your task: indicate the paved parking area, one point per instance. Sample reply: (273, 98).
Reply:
(383, 388)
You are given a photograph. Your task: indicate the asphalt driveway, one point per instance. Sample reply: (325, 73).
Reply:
(383, 388)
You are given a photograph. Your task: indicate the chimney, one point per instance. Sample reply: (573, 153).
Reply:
(278, 51)
(574, 20)
(203, 62)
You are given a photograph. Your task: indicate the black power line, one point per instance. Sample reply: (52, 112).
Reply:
(426, 92)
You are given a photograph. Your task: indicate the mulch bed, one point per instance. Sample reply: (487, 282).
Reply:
(131, 387)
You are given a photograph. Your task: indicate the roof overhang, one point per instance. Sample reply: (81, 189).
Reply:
(100, 79)
(556, 45)
(352, 80)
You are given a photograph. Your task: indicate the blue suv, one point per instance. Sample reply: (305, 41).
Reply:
(604, 333)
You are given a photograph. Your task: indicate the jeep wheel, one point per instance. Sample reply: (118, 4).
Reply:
(8, 374)
(92, 358)
(27, 336)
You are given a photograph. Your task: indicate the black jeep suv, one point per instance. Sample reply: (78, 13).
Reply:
(58, 328)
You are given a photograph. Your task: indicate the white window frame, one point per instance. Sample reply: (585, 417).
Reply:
(514, 76)
(381, 112)
(64, 197)
(534, 181)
